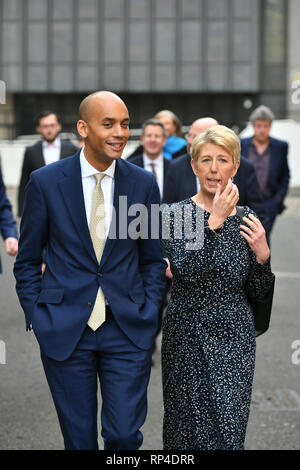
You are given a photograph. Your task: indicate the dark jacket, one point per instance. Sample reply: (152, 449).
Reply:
(279, 174)
(34, 159)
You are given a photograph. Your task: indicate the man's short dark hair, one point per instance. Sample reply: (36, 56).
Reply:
(153, 122)
(46, 113)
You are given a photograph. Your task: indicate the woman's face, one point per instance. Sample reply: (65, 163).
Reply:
(214, 166)
(168, 123)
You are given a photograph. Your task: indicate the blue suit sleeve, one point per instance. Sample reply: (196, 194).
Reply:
(8, 226)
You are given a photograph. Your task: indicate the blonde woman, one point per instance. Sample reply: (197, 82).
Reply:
(208, 346)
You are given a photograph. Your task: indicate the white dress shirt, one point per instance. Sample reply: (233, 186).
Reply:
(51, 152)
(89, 183)
(159, 170)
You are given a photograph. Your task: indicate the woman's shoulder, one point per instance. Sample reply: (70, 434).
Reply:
(173, 206)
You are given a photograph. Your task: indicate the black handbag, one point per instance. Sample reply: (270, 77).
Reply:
(261, 308)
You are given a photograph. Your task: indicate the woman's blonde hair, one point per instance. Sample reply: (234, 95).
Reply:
(175, 119)
(218, 135)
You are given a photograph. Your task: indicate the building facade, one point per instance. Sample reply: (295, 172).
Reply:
(196, 57)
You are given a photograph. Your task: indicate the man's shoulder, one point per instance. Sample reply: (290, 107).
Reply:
(181, 162)
(134, 169)
(55, 168)
(33, 147)
(279, 142)
(136, 159)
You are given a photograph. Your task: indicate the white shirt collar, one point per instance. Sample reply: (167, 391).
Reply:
(55, 144)
(158, 161)
(88, 170)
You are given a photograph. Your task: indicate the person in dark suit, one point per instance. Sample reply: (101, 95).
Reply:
(95, 310)
(152, 158)
(43, 152)
(8, 226)
(182, 183)
(269, 157)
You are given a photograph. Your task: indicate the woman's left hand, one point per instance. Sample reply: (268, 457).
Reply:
(255, 234)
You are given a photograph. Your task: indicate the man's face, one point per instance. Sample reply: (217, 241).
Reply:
(106, 131)
(153, 141)
(49, 128)
(262, 130)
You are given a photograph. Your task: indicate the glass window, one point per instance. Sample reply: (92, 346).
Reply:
(274, 32)
(37, 42)
(191, 8)
(139, 42)
(63, 9)
(113, 41)
(88, 45)
(113, 9)
(12, 9)
(88, 9)
(165, 9)
(191, 41)
(139, 8)
(37, 9)
(62, 41)
(11, 42)
(216, 41)
(165, 42)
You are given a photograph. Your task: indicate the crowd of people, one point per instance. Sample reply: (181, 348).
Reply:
(96, 303)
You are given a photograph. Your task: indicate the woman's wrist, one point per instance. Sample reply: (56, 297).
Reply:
(215, 222)
(263, 259)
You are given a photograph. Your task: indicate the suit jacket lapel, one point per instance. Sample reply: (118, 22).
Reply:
(39, 156)
(72, 191)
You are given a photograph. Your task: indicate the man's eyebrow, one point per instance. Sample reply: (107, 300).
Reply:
(113, 119)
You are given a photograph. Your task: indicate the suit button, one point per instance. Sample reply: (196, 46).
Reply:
(89, 304)
(100, 274)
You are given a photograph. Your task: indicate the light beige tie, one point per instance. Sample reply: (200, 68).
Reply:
(97, 231)
(153, 170)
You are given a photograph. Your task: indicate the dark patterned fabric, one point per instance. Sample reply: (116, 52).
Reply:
(208, 345)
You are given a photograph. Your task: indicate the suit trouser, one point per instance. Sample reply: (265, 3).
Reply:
(124, 372)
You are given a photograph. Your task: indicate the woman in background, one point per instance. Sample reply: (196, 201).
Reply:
(175, 144)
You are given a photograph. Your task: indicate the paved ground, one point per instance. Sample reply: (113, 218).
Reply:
(28, 418)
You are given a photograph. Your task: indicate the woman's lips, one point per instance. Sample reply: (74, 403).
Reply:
(213, 182)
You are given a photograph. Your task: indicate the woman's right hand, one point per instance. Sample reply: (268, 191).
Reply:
(223, 204)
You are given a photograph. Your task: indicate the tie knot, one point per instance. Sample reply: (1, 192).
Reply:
(99, 177)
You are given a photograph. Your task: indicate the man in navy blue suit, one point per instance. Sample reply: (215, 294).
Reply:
(182, 182)
(8, 226)
(95, 309)
(269, 157)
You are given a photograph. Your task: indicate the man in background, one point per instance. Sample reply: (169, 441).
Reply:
(269, 157)
(152, 159)
(48, 150)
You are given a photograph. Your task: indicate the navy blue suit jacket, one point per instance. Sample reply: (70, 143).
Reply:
(181, 184)
(131, 272)
(279, 175)
(8, 226)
